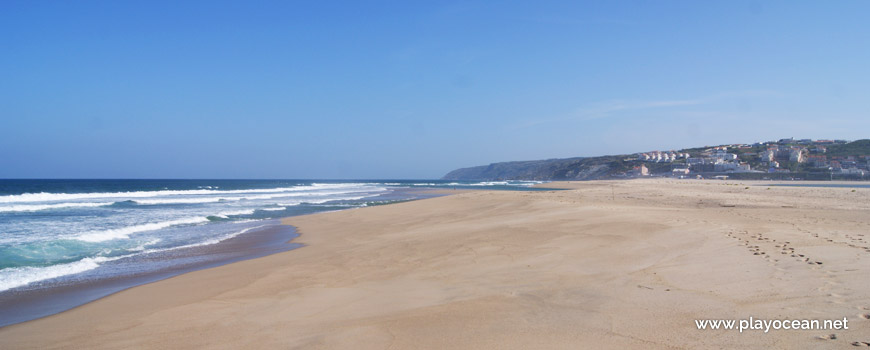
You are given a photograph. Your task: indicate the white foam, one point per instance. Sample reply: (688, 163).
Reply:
(207, 242)
(125, 232)
(142, 246)
(48, 197)
(179, 201)
(220, 239)
(38, 207)
(324, 200)
(274, 209)
(324, 192)
(227, 214)
(211, 199)
(15, 277)
(21, 276)
(525, 183)
(269, 196)
(210, 193)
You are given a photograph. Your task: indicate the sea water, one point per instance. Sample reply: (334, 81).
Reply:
(61, 232)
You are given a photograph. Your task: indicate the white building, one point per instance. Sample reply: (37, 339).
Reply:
(768, 155)
(695, 160)
(852, 171)
(796, 155)
(731, 166)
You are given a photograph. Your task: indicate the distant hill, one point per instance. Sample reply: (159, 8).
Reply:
(521, 170)
(854, 148)
(620, 166)
(579, 168)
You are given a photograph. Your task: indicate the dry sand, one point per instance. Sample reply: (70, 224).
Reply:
(606, 265)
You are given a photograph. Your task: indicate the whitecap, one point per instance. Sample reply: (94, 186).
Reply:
(38, 207)
(274, 209)
(125, 232)
(21, 276)
(227, 214)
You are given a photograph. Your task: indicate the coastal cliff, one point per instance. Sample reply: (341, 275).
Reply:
(549, 169)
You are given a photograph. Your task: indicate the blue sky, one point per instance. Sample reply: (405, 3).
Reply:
(412, 89)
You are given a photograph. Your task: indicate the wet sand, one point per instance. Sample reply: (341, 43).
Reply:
(53, 296)
(602, 265)
(21, 305)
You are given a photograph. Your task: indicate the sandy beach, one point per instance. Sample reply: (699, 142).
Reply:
(601, 265)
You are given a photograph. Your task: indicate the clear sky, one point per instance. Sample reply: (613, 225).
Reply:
(412, 89)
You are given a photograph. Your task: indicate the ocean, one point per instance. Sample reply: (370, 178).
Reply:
(66, 242)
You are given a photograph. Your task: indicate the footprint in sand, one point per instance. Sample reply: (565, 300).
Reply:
(860, 343)
(864, 316)
(831, 336)
(838, 297)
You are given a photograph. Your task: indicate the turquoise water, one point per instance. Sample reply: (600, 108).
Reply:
(55, 232)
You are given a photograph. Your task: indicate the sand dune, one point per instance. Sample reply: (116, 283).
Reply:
(603, 265)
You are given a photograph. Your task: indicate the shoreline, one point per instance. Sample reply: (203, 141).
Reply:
(27, 305)
(32, 303)
(604, 265)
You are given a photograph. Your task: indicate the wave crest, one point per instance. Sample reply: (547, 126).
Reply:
(38, 207)
(125, 232)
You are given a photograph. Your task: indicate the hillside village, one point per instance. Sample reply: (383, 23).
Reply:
(785, 159)
(804, 157)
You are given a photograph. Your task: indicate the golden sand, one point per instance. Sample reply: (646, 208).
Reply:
(604, 265)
